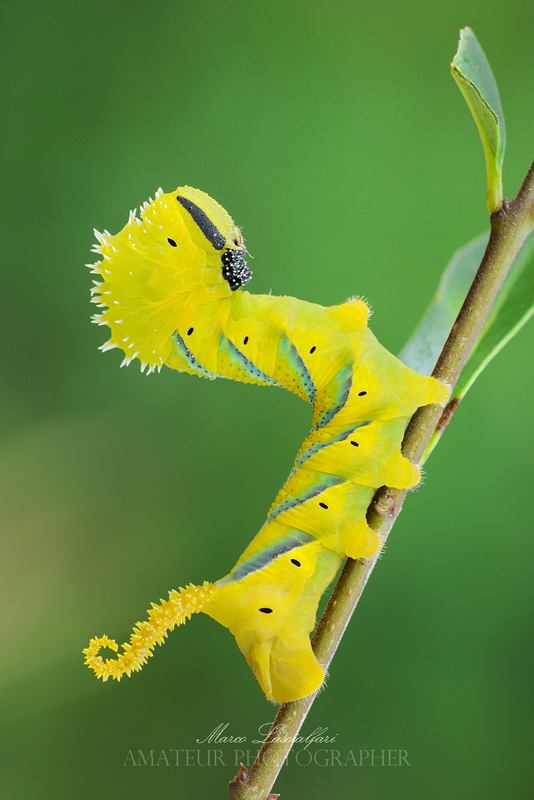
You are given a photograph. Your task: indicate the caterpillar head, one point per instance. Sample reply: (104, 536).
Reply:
(184, 251)
(216, 225)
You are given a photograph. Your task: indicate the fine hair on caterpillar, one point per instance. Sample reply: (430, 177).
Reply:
(171, 289)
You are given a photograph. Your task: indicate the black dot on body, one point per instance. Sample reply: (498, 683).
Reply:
(361, 394)
(171, 242)
(295, 562)
(265, 610)
(245, 340)
(190, 331)
(323, 505)
(354, 443)
(313, 349)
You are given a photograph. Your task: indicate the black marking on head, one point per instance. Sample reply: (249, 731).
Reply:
(235, 269)
(313, 349)
(295, 562)
(171, 242)
(323, 505)
(354, 443)
(210, 231)
(361, 394)
(265, 610)
(190, 331)
(245, 340)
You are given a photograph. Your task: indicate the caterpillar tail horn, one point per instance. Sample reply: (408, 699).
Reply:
(161, 619)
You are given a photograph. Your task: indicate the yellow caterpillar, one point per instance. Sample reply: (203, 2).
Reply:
(171, 292)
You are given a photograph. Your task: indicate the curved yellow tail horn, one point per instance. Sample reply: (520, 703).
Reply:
(161, 619)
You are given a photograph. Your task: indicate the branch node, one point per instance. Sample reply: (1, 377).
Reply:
(385, 505)
(447, 414)
(239, 781)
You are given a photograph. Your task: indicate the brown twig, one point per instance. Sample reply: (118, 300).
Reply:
(510, 226)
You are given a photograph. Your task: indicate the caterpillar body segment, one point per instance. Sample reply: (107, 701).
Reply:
(171, 289)
(271, 612)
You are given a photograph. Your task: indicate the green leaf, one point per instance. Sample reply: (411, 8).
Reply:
(426, 343)
(512, 309)
(471, 71)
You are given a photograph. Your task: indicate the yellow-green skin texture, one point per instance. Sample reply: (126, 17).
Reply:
(170, 304)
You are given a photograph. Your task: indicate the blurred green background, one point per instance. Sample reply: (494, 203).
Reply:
(337, 139)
